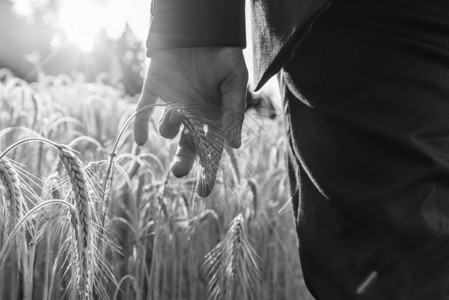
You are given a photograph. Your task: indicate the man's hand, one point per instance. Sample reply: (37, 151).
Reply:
(210, 83)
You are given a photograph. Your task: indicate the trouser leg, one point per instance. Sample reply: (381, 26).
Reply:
(376, 249)
(368, 107)
(312, 216)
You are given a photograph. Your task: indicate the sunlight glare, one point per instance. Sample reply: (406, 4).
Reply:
(82, 21)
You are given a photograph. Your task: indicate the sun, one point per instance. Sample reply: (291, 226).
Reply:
(82, 20)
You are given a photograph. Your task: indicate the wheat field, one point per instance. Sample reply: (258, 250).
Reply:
(87, 214)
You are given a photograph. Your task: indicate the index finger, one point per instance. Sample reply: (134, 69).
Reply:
(142, 119)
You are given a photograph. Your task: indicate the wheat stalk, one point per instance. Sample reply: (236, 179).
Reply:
(111, 163)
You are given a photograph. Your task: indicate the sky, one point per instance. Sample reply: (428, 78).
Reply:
(83, 19)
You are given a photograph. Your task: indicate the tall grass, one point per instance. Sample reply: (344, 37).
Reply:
(76, 223)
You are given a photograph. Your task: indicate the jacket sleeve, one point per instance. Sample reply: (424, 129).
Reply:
(196, 23)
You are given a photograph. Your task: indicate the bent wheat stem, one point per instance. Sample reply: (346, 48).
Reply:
(112, 155)
(25, 218)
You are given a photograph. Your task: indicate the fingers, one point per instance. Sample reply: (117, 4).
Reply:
(233, 91)
(170, 122)
(184, 157)
(142, 118)
(209, 161)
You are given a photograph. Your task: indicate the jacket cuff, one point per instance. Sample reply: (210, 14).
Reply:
(196, 23)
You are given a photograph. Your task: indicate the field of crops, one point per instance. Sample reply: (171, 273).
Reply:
(85, 214)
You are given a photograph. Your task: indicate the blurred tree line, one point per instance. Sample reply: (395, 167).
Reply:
(32, 45)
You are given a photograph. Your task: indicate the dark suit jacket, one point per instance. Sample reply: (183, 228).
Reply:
(278, 27)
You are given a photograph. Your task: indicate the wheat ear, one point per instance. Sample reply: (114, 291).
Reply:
(208, 145)
(231, 266)
(84, 232)
(10, 179)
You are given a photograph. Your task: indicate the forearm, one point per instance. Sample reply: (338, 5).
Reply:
(196, 23)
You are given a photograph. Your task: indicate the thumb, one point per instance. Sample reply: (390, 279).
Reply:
(233, 92)
(143, 117)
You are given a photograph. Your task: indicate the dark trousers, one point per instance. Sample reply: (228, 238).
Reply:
(367, 105)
